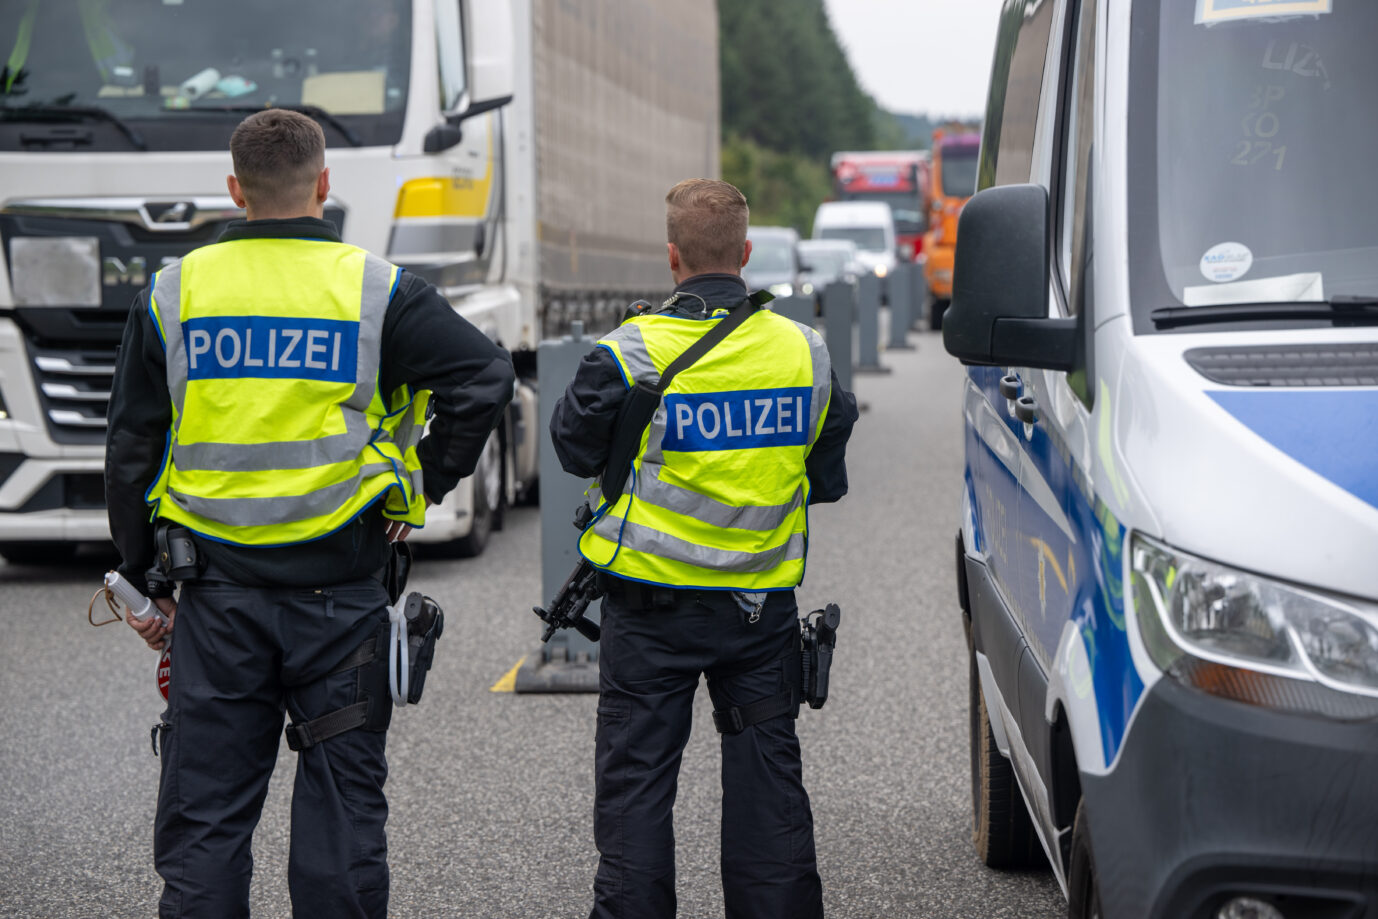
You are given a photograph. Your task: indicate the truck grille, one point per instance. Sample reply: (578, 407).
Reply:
(74, 389)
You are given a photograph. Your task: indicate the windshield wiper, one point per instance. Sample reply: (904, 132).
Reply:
(1353, 307)
(314, 111)
(43, 112)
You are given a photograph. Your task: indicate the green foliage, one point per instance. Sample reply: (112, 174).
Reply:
(783, 189)
(786, 83)
(789, 101)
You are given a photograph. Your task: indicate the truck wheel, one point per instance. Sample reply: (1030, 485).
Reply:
(488, 501)
(1083, 887)
(37, 553)
(1001, 828)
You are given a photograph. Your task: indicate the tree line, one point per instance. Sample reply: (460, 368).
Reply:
(789, 100)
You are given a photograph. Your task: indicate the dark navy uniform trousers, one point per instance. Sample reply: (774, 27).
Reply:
(650, 659)
(240, 656)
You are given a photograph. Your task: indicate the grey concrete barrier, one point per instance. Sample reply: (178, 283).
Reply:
(901, 305)
(839, 312)
(569, 662)
(868, 325)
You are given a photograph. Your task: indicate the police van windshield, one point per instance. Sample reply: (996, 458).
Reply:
(1251, 152)
(168, 71)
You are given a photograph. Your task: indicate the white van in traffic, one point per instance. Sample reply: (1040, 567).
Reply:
(1166, 290)
(869, 224)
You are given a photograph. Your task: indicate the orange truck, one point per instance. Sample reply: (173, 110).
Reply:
(955, 157)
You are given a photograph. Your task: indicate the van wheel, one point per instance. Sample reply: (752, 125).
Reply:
(1001, 829)
(1083, 887)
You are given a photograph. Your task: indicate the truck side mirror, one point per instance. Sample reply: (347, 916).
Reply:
(999, 309)
(489, 50)
(442, 137)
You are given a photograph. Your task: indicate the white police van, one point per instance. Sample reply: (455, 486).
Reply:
(1167, 295)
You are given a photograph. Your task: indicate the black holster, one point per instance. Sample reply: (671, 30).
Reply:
(818, 639)
(176, 558)
(425, 622)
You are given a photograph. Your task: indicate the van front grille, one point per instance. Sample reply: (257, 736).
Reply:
(1288, 365)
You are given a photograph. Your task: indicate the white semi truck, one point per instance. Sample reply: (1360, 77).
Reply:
(515, 154)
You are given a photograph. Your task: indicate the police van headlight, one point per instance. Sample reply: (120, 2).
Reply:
(781, 290)
(1254, 639)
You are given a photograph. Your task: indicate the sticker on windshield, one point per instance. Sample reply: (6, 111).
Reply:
(1213, 11)
(1226, 262)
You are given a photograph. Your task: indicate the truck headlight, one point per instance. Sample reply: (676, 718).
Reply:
(1206, 623)
(55, 270)
(781, 290)
(882, 271)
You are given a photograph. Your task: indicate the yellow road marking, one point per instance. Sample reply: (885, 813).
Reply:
(508, 683)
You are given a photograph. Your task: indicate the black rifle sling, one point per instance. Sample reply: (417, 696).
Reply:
(640, 404)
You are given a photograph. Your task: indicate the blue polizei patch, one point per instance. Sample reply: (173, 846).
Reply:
(1333, 433)
(741, 420)
(272, 347)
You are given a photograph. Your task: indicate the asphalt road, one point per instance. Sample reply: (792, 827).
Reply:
(491, 792)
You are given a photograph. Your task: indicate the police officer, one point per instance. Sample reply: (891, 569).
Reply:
(268, 396)
(700, 556)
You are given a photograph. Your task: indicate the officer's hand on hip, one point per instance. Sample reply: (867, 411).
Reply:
(398, 531)
(153, 632)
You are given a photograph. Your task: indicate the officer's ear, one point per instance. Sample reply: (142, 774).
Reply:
(673, 250)
(323, 185)
(236, 192)
(746, 254)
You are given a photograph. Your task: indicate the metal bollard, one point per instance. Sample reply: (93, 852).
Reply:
(839, 312)
(918, 292)
(569, 662)
(901, 301)
(868, 325)
(800, 309)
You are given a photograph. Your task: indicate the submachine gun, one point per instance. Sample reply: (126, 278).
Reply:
(567, 610)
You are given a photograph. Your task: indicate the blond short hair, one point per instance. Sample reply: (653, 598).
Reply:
(707, 220)
(277, 155)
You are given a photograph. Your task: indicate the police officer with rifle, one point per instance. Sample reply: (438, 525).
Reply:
(268, 405)
(697, 532)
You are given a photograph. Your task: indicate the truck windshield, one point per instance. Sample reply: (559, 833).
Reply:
(868, 239)
(182, 75)
(1251, 148)
(959, 171)
(904, 205)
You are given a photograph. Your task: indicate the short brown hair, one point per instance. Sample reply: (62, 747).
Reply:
(707, 220)
(277, 156)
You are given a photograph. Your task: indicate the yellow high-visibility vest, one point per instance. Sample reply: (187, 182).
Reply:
(717, 496)
(279, 431)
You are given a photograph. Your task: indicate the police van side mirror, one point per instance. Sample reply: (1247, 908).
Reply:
(999, 309)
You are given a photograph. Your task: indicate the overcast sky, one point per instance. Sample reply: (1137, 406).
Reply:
(920, 55)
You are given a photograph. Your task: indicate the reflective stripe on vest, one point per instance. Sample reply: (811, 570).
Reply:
(279, 433)
(689, 516)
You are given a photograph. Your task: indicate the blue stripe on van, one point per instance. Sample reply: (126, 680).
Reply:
(1334, 433)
